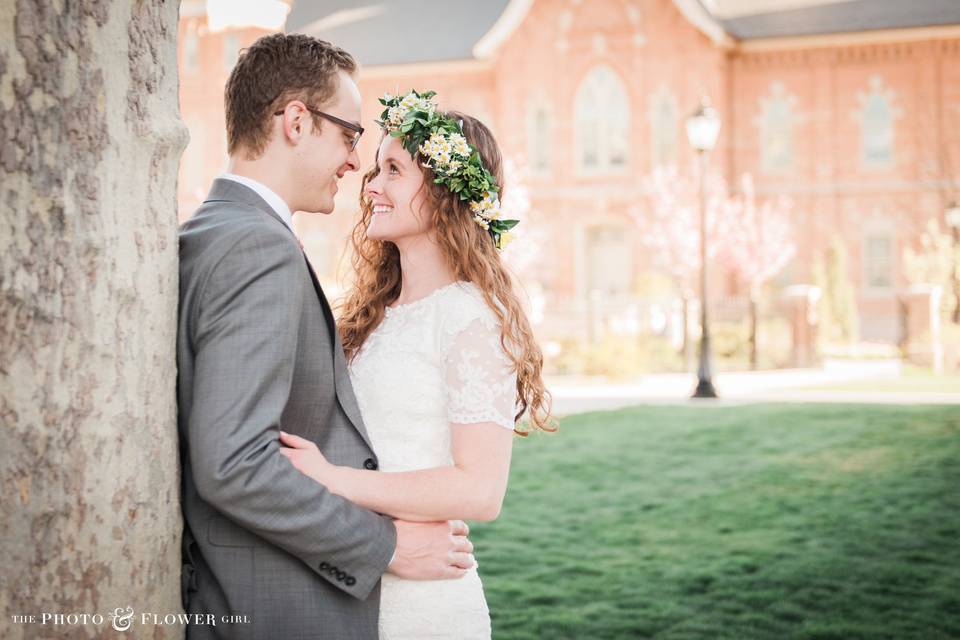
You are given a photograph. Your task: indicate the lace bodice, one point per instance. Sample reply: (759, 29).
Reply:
(429, 364)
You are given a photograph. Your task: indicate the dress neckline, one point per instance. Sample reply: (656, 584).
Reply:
(407, 305)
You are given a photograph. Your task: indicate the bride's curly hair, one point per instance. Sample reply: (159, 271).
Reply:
(470, 255)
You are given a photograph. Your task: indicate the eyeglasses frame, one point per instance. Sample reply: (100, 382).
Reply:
(357, 129)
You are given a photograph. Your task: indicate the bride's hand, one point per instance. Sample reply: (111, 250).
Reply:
(306, 458)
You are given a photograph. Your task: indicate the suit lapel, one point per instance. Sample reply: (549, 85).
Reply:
(225, 190)
(341, 376)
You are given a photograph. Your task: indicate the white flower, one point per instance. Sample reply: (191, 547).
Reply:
(440, 153)
(433, 145)
(412, 101)
(486, 209)
(459, 144)
(396, 115)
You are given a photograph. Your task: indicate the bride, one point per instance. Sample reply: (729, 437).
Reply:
(442, 358)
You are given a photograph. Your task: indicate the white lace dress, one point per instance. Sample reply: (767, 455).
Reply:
(429, 364)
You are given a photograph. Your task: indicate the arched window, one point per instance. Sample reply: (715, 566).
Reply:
(190, 46)
(662, 115)
(231, 51)
(877, 132)
(609, 260)
(877, 115)
(193, 178)
(878, 260)
(602, 123)
(538, 139)
(776, 122)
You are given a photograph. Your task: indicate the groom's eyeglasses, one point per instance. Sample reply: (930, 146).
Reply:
(349, 126)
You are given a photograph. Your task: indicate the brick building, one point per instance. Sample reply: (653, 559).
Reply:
(852, 109)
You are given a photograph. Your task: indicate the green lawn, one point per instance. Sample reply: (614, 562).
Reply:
(768, 521)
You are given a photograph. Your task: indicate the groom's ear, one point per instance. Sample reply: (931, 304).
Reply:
(294, 121)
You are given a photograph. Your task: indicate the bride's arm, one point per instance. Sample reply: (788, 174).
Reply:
(471, 489)
(480, 386)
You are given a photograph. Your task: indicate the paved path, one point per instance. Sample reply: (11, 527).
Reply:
(576, 395)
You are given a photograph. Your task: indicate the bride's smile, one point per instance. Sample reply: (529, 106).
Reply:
(396, 196)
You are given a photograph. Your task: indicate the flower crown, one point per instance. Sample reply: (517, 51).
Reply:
(454, 161)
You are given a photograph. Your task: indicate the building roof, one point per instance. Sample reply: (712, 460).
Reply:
(411, 31)
(398, 31)
(843, 17)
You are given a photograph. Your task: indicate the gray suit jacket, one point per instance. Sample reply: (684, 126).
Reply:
(258, 351)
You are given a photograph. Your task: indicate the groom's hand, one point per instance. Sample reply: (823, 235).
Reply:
(432, 550)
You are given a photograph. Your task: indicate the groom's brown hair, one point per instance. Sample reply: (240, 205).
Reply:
(270, 73)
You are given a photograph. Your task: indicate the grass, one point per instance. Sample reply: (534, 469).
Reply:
(822, 522)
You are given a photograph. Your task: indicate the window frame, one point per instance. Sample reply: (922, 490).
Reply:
(605, 121)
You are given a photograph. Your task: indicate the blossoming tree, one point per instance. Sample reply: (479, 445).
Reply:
(670, 225)
(758, 244)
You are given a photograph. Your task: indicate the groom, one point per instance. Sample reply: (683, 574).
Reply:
(268, 552)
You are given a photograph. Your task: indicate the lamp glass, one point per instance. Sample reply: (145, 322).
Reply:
(953, 216)
(238, 14)
(703, 128)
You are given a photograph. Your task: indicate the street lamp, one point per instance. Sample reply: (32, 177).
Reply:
(953, 221)
(703, 127)
(238, 14)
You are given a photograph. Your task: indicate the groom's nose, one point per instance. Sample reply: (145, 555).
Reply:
(353, 161)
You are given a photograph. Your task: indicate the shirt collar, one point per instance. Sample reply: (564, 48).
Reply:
(270, 197)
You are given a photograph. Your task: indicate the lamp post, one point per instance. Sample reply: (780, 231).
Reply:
(703, 127)
(953, 221)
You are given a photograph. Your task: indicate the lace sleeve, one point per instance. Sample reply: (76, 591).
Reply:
(480, 383)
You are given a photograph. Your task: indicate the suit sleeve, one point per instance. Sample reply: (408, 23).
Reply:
(245, 339)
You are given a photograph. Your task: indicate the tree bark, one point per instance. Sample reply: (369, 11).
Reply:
(88, 295)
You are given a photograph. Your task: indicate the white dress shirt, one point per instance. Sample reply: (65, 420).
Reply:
(276, 202)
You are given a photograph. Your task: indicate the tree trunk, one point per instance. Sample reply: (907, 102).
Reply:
(687, 339)
(754, 327)
(955, 254)
(88, 295)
